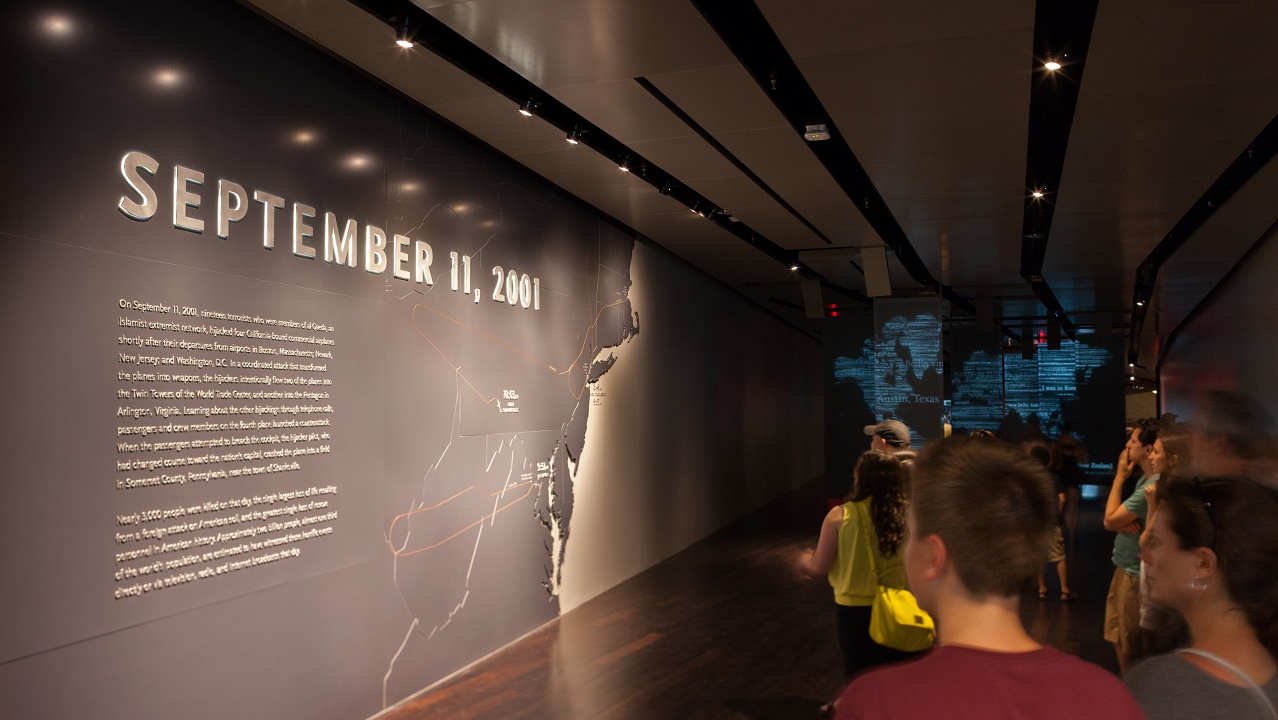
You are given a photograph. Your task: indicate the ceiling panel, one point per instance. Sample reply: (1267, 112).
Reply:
(780, 157)
(727, 258)
(826, 27)
(577, 166)
(370, 44)
(943, 147)
(687, 158)
(563, 43)
(778, 225)
(625, 110)
(730, 106)
(933, 98)
(1165, 106)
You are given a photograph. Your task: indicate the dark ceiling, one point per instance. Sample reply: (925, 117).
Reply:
(1151, 144)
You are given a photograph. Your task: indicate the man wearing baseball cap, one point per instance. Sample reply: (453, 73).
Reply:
(889, 436)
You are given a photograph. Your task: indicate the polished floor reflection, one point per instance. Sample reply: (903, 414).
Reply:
(725, 629)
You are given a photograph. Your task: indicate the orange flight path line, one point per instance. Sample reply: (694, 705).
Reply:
(391, 533)
(558, 373)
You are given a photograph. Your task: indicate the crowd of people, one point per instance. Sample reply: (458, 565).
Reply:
(968, 523)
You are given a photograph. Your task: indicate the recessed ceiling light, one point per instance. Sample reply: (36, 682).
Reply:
(57, 26)
(167, 77)
(402, 37)
(1052, 65)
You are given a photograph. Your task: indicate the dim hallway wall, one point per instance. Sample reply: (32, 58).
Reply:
(1230, 343)
(712, 410)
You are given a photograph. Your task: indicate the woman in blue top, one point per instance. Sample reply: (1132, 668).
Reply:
(878, 494)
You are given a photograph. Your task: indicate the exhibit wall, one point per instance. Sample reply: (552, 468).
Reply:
(315, 400)
(1225, 344)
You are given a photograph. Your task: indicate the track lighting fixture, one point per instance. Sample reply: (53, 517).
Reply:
(527, 108)
(573, 137)
(625, 165)
(402, 37)
(1052, 65)
(1037, 193)
(696, 207)
(665, 187)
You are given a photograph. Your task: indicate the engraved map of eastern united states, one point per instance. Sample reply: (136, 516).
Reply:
(487, 407)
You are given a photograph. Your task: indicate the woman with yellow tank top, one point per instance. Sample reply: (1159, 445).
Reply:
(876, 504)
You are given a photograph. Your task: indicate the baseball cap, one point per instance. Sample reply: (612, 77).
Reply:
(894, 431)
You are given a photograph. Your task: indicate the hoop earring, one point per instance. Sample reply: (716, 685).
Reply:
(1197, 583)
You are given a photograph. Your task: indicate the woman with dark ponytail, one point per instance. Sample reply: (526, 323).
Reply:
(1211, 554)
(870, 520)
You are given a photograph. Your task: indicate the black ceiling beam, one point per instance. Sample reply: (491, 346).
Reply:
(743, 28)
(1062, 34)
(1244, 167)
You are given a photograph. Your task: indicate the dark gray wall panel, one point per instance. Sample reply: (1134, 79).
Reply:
(461, 428)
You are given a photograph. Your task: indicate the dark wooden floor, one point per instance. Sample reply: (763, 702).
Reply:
(725, 629)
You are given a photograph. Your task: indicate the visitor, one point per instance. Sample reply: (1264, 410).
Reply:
(1212, 556)
(1126, 517)
(870, 520)
(978, 524)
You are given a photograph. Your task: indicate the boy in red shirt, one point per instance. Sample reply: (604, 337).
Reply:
(979, 521)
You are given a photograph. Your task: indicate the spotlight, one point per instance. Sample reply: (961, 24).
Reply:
(1052, 65)
(1037, 193)
(665, 187)
(1140, 303)
(1132, 378)
(625, 165)
(695, 207)
(402, 38)
(795, 266)
(572, 137)
(1154, 391)
(526, 108)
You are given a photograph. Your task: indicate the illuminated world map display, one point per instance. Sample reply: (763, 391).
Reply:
(886, 364)
(880, 365)
(1079, 385)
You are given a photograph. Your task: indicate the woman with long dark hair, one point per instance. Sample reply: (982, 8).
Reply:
(870, 520)
(1212, 556)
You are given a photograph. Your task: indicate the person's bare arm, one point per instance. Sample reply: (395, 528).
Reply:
(1117, 517)
(819, 561)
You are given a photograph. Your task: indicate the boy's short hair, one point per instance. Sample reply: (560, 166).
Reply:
(992, 505)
